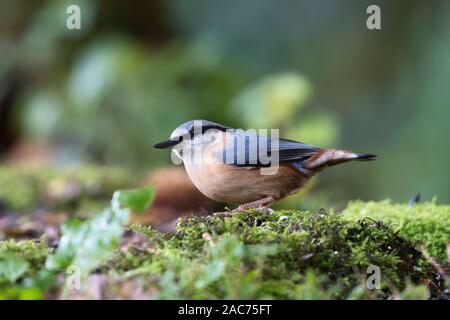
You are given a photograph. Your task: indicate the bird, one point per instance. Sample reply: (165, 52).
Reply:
(248, 168)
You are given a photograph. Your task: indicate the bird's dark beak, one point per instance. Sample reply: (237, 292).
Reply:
(166, 144)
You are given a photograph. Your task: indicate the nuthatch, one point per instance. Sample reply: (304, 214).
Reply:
(245, 168)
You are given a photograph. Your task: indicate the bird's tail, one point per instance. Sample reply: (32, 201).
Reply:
(330, 157)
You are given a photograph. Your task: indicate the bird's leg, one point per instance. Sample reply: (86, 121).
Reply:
(261, 204)
(258, 204)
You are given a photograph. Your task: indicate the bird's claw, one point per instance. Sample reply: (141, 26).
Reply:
(266, 210)
(223, 214)
(226, 214)
(262, 209)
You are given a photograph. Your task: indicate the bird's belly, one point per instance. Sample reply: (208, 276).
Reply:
(230, 184)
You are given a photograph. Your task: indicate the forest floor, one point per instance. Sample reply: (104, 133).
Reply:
(61, 237)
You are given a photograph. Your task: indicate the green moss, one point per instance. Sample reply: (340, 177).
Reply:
(31, 252)
(21, 264)
(286, 254)
(424, 223)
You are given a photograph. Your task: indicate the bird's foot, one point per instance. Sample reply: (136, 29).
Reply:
(223, 214)
(262, 204)
(226, 214)
(264, 209)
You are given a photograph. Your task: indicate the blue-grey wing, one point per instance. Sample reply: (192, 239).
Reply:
(252, 150)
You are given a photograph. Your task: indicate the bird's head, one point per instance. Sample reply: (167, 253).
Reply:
(191, 134)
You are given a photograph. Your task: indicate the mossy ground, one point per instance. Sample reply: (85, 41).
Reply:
(426, 224)
(287, 254)
(284, 255)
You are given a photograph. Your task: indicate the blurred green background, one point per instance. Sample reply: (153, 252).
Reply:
(137, 69)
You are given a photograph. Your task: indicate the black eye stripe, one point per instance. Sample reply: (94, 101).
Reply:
(192, 130)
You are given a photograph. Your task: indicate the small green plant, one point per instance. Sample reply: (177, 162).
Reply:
(27, 266)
